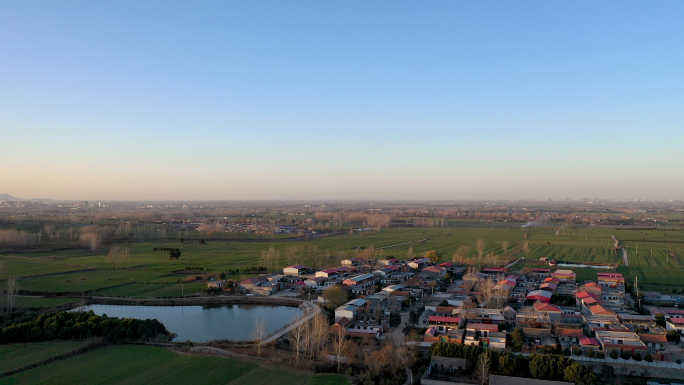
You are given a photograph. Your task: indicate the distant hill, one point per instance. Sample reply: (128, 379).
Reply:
(7, 197)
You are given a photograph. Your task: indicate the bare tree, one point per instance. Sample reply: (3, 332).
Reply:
(339, 344)
(483, 367)
(470, 278)
(90, 240)
(480, 245)
(505, 246)
(461, 254)
(296, 338)
(123, 255)
(410, 254)
(113, 256)
(258, 334)
(484, 291)
(526, 248)
(319, 329)
(291, 255)
(12, 288)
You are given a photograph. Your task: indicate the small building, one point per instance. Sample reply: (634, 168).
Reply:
(328, 273)
(443, 370)
(444, 324)
(541, 273)
(676, 324)
(353, 262)
(386, 271)
(486, 334)
(569, 337)
(217, 284)
(296, 270)
(361, 284)
(565, 276)
(315, 283)
(436, 272)
(419, 263)
(654, 342)
(620, 341)
(540, 295)
(388, 262)
(249, 283)
(587, 343)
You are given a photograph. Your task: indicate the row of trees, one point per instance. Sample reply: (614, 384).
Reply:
(70, 325)
(8, 296)
(481, 362)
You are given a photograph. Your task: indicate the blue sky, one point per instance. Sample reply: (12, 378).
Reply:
(341, 99)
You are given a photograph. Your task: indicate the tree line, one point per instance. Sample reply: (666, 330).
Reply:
(69, 325)
(482, 362)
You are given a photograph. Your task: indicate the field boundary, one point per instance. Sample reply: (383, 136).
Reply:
(88, 346)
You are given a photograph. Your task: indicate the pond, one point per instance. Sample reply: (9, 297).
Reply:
(207, 323)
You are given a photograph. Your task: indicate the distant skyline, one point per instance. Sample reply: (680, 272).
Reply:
(310, 100)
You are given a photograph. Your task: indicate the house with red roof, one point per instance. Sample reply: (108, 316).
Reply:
(564, 276)
(589, 343)
(654, 342)
(611, 280)
(676, 324)
(600, 310)
(444, 324)
(585, 299)
(249, 283)
(569, 337)
(547, 308)
(539, 295)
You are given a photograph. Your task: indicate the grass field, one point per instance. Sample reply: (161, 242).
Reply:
(38, 302)
(17, 356)
(54, 271)
(133, 364)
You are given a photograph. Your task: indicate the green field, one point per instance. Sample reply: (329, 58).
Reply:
(134, 364)
(149, 273)
(38, 302)
(20, 355)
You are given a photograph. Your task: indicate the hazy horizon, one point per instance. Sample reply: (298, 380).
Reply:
(304, 100)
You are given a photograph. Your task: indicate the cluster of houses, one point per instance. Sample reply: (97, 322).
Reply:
(598, 320)
(551, 307)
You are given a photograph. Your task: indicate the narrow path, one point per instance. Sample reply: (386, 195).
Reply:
(314, 309)
(512, 263)
(625, 261)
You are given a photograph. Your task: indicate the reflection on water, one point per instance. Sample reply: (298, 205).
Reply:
(207, 323)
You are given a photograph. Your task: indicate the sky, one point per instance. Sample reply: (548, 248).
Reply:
(390, 100)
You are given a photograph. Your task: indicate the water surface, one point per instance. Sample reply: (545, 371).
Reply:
(202, 324)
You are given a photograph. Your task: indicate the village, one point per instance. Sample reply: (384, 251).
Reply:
(542, 310)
